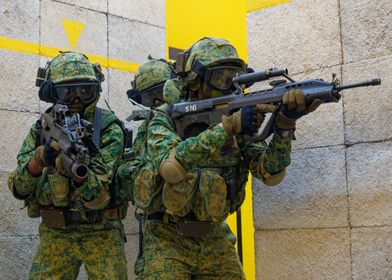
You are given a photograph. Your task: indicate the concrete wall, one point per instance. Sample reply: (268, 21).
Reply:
(330, 217)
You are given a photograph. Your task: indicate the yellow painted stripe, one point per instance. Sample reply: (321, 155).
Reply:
(254, 5)
(48, 51)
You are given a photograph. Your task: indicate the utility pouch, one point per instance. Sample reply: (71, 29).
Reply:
(191, 228)
(54, 218)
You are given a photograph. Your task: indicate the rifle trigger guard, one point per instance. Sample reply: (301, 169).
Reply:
(267, 130)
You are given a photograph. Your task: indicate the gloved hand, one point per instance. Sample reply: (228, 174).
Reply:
(294, 107)
(45, 155)
(247, 120)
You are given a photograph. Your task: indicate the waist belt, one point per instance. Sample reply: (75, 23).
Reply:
(185, 226)
(62, 217)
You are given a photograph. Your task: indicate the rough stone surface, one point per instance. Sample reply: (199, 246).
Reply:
(303, 254)
(14, 219)
(98, 5)
(368, 111)
(19, 19)
(313, 193)
(17, 78)
(16, 254)
(369, 176)
(15, 127)
(134, 41)
(366, 29)
(299, 35)
(148, 11)
(92, 40)
(371, 253)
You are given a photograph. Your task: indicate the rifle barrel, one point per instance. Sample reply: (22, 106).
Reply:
(373, 82)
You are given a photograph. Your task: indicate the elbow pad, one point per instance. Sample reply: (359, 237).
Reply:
(12, 188)
(273, 180)
(172, 171)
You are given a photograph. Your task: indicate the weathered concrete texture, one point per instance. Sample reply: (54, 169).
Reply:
(15, 127)
(92, 40)
(366, 29)
(17, 78)
(120, 82)
(134, 41)
(14, 219)
(131, 224)
(323, 127)
(19, 19)
(98, 5)
(369, 176)
(368, 111)
(303, 254)
(148, 11)
(16, 254)
(371, 253)
(301, 35)
(313, 193)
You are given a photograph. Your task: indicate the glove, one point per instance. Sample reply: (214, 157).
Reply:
(46, 155)
(294, 107)
(247, 120)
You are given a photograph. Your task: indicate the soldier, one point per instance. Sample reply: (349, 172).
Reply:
(193, 184)
(79, 225)
(147, 89)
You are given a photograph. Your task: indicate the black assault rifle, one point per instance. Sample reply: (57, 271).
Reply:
(202, 113)
(73, 135)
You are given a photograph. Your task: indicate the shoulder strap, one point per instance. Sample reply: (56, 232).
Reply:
(97, 127)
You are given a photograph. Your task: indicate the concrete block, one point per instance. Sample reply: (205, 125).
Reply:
(366, 29)
(92, 40)
(368, 111)
(131, 224)
(147, 11)
(120, 82)
(131, 251)
(98, 5)
(303, 254)
(313, 193)
(299, 35)
(369, 176)
(16, 256)
(134, 41)
(371, 253)
(20, 20)
(15, 127)
(18, 74)
(14, 219)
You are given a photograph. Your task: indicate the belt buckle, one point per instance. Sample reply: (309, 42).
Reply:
(192, 228)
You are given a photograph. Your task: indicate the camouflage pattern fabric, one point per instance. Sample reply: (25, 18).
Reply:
(53, 189)
(210, 50)
(169, 256)
(152, 73)
(71, 66)
(59, 255)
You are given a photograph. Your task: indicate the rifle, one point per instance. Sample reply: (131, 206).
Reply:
(203, 113)
(73, 135)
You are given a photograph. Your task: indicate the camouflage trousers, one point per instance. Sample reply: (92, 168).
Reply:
(170, 256)
(60, 254)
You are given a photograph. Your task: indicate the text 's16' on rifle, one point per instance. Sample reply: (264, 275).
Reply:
(209, 111)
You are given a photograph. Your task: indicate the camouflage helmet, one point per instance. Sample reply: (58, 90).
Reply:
(151, 73)
(210, 51)
(69, 67)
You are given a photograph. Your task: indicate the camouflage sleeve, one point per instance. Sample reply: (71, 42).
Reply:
(103, 165)
(20, 181)
(140, 137)
(190, 152)
(268, 160)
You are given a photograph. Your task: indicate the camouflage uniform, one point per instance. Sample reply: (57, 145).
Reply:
(96, 237)
(217, 167)
(151, 75)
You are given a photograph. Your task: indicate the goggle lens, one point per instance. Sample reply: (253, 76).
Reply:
(222, 77)
(150, 96)
(66, 93)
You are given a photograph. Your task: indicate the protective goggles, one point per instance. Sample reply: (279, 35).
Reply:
(219, 77)
(66, 93)
(149, 96)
